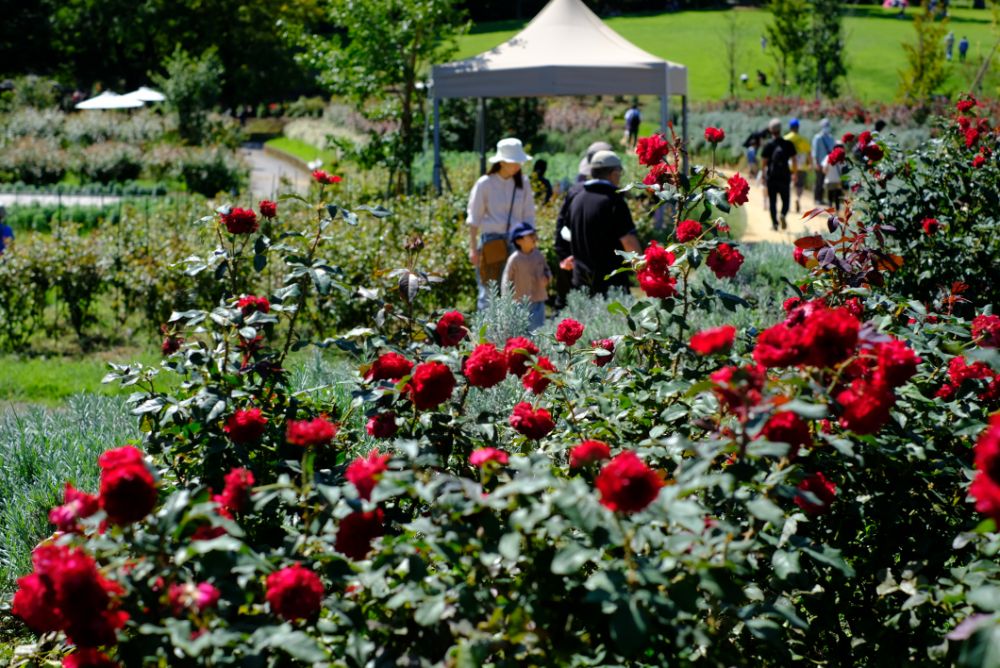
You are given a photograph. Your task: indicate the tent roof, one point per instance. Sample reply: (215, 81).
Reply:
(110, 100)
(565, 50)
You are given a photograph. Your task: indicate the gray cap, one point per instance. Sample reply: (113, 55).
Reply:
(584, 168)
(774, 124)
(604, 159)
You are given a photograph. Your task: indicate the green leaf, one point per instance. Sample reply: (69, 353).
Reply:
(785, 564)
(806, 409)
(718, 199)
(570, 558)
(378, 210)
(298, 645)
(986, 597)
(764, 509)
(430, 611)
(510, 546)
(259, 262)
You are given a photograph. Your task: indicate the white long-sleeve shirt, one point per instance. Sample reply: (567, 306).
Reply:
(490, 202)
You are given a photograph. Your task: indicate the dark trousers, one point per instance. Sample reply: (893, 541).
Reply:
(773, 190)
(818, 188)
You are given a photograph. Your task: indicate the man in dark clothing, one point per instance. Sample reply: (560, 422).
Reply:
(774, 161)
(599, 223)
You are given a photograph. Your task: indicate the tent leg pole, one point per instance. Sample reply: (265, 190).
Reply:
(684, 128)
(663, 115)
(481, 123)
(437, 145)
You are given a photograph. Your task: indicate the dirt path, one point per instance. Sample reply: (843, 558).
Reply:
(271, 176)
(758, 218)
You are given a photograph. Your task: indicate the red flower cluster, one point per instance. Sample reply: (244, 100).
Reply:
(518, 350)
(66, 592)
(431, 385)
(325, 178)
(587, 453)
(451, 328)
(812, 334)
(188, 596)
(724, 260)
(364, 473)
(389, 366)
(382, 425)
(655, 279)
(607, 345)
(481, 457)
(986, 330)
(738, 388)
(824, 491)
(715, 340)
(836, 156)
(294, 592)
(76, 506)
(240, 221)
(245, 426)
(651, 150)
(486, 366)
(714, 135)
(966, 103)
(627, 485)
(87, 657)
(171, 344)
(848, 138)
(738, 190)
(569, 331)
(537, 377)
(311, 433)
(268, 209)
(235, 495)
(531, 422)
(688, 230)
(960, 372)
(869, 149)
(357, 531)
(660, 174)
(874, 376)
(128, 490)
(250, 303)
(985, 488)
(787, 427)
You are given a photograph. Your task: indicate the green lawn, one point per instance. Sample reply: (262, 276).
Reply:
(303, 151)
(873, 43)
(51, 380)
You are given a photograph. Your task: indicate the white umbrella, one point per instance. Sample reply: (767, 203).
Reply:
(145, 94)
(110, 100)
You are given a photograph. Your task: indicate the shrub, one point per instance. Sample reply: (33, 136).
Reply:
(192, 86)
(32, 161)
(110, 162)
(210, 171)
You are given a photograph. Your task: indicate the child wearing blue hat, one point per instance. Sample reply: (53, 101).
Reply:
(526, 276)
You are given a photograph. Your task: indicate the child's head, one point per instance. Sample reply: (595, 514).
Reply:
(524, 237)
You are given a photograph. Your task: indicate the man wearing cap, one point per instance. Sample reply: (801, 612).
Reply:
(802, 160)
(526, 276)
(598, 223)
(822, 144)
(776, 160)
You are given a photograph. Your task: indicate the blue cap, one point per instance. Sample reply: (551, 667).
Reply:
(521, 230)
(794, 123)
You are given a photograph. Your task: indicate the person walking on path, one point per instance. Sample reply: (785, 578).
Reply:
(776, 161)
(526, 276)
(6, 233)
(963, 49)
(632, 120)
(949, 44)
(801, 163)
(822, 144)
(834, 183)
(599, 223)
(500, 200)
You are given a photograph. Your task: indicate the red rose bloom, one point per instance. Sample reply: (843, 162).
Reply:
(864, 138)
(657, 285)
(799, 256)
(311, 433)
(715, 340)
(787, 427)
(986, 330)
(865, 406)
(240, 221)
(364, 473)
(627, 485)
(651, 150)
(482, 456)
(325, 178)
(451, 328)
(738, 388)
(607, 345)
(87, 657)
(971, 136)
(873, 152)
(171, 344)
(531, 422)
(791, 304)
(189, 596)
(724, 260)
(848, 138)
(897, 363)
(245, 426)
(985, 488)
(268, 209)
(128, 490)
(35, 603)
(658, 258)
(738, 190)
(537, 377)
(235, 495)
(829, 336)
(688, 230)
(486, 366)
(966, 104)
(659, 174)
(836, 156)
(431, 385)
(382, 425)
(249, 304)
(824, 491)
(569, 331)
(930, 225)
(518, 350)
(779, 346)
(389, 366)
(357, 531)
(77, 505)
(294, 592)
(587, 453)
(979, 160)
(714, 135)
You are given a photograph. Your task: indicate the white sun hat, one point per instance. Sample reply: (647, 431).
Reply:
(510, 150)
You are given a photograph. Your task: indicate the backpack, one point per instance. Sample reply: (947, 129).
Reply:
(777, 164)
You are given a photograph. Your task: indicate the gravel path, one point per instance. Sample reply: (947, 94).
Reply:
(758, 218)
(271, 176)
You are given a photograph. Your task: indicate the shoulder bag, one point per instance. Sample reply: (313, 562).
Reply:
(493, 254)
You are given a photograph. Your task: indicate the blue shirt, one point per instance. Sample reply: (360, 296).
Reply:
(5, 233)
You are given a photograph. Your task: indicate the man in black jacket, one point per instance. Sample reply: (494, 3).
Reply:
(775, 160)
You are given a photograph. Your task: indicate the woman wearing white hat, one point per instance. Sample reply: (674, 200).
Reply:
(499, 201)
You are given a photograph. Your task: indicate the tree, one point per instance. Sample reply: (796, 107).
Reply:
(730, 45)
(925, 72)
(381, 51)
(192, 86)
(787, 37)
(825, 53)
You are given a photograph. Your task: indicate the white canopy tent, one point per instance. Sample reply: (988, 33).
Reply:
(110, 100)
(565, 50)
(146, 94)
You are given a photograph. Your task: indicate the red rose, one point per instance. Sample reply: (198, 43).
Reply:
(971, 136)
(779, 346)
(486, 366)
(715, 340)
(847, 138)
(364, 473)
(607, 345)
(897, 363)
(587, 453)
(724, 260)
(854, 307)
(249, 304)
(537, 377)
(35, 603)
(738, 191)
(799, 256)
(865, 406)
(986, 330)
(482, 456)
(245, 426)
(657, 285)
(389, 366)
(310, 433)
(235, 495)
(966, 104)
(658, 258)
(357, 531)
(873, 152)
(824, 491)
(268, 209)
(240, 221)
(77, 505)
(864, 138)
(531, 422)
(791, 304)
(188, 596)
(836, 156)
(325, 178)
(87, 657)
(518, 350)
(569, 331)
(738, 388)
(294, 592)
(985, 488)
(787, 427)
(171, 344)
(688, 230)
(714, 135)
(979, 160)
(627, 485)
(660, 174)
(128, 490)
(829, 337)
(382, 425)
(431, 385)
(651, 150)
(451, 328)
